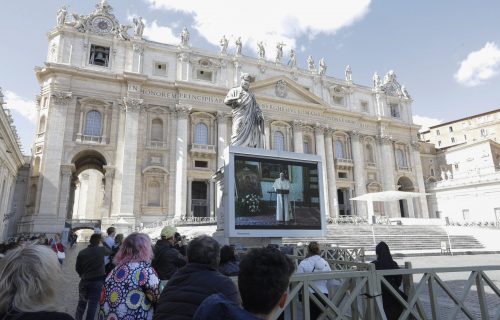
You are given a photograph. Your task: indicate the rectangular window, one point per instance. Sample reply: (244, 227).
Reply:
(364, 106)
(439, 143)
(204, 75)
(438, 133)
(160, 69)
(450, 129)
(394, 110)
(484, 132)
(201, 164)
(438, 214)
(465, 137)
(338, 100)
(342, 175)
(452, 140)
(99, 55)
(456, 166)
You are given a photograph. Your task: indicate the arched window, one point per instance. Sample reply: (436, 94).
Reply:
(156, 130)
(41, 124)
(369, 154)
(339, 149)
(201, 134)
(93, 124)
(154, 194)
(400, 158)
(279, 141)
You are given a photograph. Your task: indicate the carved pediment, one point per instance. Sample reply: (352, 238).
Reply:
(284, 88)
(391, 86)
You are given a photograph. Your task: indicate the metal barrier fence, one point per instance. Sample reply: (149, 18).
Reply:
(334, 253)
(429, 296)
(180, 222)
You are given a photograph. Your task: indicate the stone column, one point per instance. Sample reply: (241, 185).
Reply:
(331, 174)
(181, 149)
(267, 132)
(222, 142)
(138, 57)
(359, 172)
(424, 210)
(66, 176)
(183, 67)
(84, 196)
(298, 141)
(109, 176)
(46, 219)
(189, 211)
(132, 108)
(387, 170)
(211, 197)
(320, 150)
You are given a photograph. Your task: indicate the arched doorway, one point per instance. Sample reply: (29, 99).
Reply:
(87, 186)
(406, 207)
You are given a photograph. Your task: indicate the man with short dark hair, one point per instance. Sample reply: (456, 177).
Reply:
(90, 268)
(167, 259)
(263, 283)
(190, 285)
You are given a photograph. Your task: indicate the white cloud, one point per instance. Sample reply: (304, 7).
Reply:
(158, 33)
(425, 122)
(479, 66)
(26, 108)
(268, 21)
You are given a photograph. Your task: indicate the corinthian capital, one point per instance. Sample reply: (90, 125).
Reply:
(61, 98)
(182, 111)
(319, 128)
(222, 116)
(415, 145)
(132, 104)
(298, 124)
(384, 138)
(354, 135)
(67, 169)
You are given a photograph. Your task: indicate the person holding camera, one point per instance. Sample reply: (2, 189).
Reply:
(167, 259)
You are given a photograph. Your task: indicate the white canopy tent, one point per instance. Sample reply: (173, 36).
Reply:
(385, 196)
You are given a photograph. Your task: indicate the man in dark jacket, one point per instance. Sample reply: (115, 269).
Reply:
(190, 285)
(167, 259)
(263, 283)
(90, 268)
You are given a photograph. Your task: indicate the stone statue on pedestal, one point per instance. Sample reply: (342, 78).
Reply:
(310, 63)
(248, 122)
(292, 63)
(61, 16)
(138, 27)
(322, 67)
(185, 37)
(348, 73)
(239, 44)
(261, 50)
(223, 45)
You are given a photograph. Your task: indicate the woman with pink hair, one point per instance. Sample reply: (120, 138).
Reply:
(132, 288)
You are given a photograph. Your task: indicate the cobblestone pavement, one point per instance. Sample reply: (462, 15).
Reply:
(456, 281)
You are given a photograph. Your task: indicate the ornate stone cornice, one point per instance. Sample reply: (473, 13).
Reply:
(132, 104)
(61, 97)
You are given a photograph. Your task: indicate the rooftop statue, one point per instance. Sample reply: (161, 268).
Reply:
(348, 73)
(239, 44)
(279, 52)
(223, 45)
(138, 27)
(261, 50)
(310, 63)
(248, 122)
(376, 80)
(61, 16)
(185, 37)
(322, 66)
(292, 63)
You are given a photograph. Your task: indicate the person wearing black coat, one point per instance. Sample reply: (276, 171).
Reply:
(192, 284)
(167, 260)
(392, 307)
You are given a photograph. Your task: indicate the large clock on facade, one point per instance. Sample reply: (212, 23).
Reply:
(102, 24)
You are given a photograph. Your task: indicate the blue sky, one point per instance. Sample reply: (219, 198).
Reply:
(446, 53)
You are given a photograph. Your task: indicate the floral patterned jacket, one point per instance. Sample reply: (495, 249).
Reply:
(130, 292)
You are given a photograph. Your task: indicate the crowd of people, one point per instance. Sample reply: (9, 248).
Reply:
(124, 278)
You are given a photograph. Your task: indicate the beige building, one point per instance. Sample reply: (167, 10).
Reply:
(463, 175)
(144, 124)
(11, 160)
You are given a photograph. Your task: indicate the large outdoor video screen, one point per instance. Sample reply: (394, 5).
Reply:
(275, 194)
